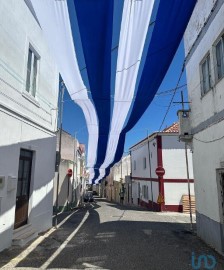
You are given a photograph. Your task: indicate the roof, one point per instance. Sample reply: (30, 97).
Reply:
(174, 128)
(82, 147)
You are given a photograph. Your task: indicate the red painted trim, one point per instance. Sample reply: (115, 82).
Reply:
(159, 152)
(177, 180)
(146, 179)
(148, 205)
(173, 208)
(157, 207)
(164, 180)
(160, 164)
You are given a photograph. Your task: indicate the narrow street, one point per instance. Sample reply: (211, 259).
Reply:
(103, 235)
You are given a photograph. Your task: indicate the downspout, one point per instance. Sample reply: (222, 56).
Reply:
(150, 170)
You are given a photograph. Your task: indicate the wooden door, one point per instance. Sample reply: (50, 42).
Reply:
(23, 188)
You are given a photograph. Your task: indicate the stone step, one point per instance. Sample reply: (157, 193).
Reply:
(23, 235)
(21, 230)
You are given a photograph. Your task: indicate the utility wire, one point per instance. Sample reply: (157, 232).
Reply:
(157, 95)
(171, 101)
(215, 140)
(170, 90)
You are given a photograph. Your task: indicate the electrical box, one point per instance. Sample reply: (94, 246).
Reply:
(11, 183)
(2, 186)
(185, 125)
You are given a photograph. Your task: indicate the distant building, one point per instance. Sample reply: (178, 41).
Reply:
(204, 50)
(29, 83)
(69, 186)
(118, 181)
(164, 151)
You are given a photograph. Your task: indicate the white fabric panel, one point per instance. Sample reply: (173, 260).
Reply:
(135, 22)
(55, 23)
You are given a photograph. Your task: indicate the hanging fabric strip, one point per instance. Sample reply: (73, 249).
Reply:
(54, 20)
(95, 20)
(171, 21)
(134, 26)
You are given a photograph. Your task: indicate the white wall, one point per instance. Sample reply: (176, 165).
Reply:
(205, 176)
(199, 16)
(138, 153)
(43, 145)
(212, 102)
(121, 169)
(206, 156)
(26, 122)
(153, 191)
(175, 191)
(174, 161)
(18, 29)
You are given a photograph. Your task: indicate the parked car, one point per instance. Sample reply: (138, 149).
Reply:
(88, 197)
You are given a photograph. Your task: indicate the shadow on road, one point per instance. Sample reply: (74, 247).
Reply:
(115, 244)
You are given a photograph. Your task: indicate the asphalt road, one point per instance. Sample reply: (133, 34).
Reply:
(103, 235)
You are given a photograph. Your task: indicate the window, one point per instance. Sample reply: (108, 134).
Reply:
(31, 77)
(219, 55)
(206, 75)
(134, 164)
(145, 192)
(144, 163)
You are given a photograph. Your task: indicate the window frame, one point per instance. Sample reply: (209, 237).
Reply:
(134, 165)
(144, 163)
(32, 72)
(219, 39)
(206, 59)
(145, 192)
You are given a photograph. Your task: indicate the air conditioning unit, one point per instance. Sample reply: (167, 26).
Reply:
(185, 133)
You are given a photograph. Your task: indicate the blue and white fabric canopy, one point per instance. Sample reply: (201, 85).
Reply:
(150, 33)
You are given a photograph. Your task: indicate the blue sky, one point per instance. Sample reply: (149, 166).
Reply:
(73, 118)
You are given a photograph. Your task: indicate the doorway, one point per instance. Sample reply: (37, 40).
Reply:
(23, 188)
(220, 186)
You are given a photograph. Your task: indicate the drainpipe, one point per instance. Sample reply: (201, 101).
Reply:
(74, 176)
(150, 169)
(68, 193)
(189, 187)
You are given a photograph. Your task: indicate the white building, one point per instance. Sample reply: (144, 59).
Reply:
(69, 189)
(28, 100)
(204, 49)
(119, 180)
(160, 150)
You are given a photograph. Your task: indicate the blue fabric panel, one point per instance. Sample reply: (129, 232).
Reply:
(171, 21)
(95, 20)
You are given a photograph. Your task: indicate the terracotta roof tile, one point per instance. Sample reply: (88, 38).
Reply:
(174, 128)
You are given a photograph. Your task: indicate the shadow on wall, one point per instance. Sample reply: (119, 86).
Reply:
(65, 196)
(41, 186)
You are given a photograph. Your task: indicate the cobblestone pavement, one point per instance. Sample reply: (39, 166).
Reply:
(104, 235)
